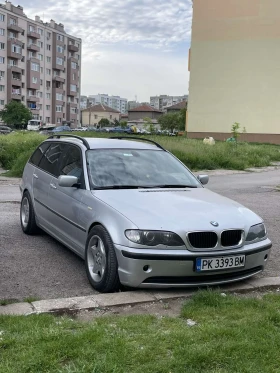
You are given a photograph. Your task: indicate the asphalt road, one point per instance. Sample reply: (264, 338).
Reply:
(42, 268)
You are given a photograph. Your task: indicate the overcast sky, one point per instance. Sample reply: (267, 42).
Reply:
(130, 47)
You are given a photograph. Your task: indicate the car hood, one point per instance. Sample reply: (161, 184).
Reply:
(177, 209)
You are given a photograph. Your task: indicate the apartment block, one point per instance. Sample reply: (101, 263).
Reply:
(162, 102)
(39, 66)
(234, 69)
(115, 102)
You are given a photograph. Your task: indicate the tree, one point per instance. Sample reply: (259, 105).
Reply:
(16, 114)
(149, 125)
(123, 124)
(104, 122)
(173, 121)
(116, 123)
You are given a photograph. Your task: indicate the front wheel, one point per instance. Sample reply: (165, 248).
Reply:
(101, 261)
(27, 215)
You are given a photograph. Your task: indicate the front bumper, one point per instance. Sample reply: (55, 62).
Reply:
(165, 269)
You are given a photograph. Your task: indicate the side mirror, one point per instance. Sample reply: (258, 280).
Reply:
(68, 181)
(203, 179)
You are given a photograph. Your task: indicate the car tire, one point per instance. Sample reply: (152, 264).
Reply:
(101, 261)
(27, 215)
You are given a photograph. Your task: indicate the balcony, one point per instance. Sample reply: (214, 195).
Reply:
(33, 47)
(15, 80)
(73, 48)
(15, 68)
(57, 78)
(33, 34)
(16, 95)
(31, 98)
(15, 28)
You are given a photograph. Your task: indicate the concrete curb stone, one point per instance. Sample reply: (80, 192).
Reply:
(99, 301)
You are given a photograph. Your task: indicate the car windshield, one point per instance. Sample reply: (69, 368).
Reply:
(117, 168)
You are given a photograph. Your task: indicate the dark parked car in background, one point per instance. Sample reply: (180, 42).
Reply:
(4, 130)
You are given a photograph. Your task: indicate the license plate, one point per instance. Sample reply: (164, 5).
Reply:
(215, 264)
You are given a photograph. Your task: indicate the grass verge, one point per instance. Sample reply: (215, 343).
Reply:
(16, 148)
(231, 335)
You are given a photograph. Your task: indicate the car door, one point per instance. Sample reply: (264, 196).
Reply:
(43, 175)
(70, 212)
(38, 181)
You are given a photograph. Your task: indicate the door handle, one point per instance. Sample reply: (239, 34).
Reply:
(36, 176)
(53, 186)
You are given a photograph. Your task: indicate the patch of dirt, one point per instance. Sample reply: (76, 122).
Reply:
(166, 308)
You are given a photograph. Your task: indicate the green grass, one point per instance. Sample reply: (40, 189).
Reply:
(16, 148)
(232, 335)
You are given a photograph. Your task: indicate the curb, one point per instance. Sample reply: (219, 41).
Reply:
(106, 301)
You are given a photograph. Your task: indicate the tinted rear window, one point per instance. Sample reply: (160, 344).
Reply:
(37, 155)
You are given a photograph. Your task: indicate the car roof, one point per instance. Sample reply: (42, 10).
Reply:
(105, 143)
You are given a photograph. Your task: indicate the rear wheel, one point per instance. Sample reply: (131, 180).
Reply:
(27, 215)
(101, 261)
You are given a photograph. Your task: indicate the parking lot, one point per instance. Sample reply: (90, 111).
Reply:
(40, 267)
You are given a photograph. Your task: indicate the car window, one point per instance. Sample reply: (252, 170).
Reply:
(37, 155)
(134, 167)
(51, 157)
(71, 163)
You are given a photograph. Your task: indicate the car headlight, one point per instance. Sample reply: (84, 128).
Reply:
(154, 238)
(256, 233)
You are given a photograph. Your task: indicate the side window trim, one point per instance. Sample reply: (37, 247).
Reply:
(68, 148)
(59, 159)
(37, 165)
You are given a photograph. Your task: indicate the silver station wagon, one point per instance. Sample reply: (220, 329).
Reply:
(138, 216)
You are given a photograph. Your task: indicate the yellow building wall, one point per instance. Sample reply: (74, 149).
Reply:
(235, 66)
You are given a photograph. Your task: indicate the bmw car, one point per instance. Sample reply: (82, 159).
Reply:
(138, 216)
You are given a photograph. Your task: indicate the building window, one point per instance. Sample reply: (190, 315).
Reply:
(2, 88)
(59, 61)
(41, 82)
(35, 66)
(2, 17)
(48, 96)
(59, 49)
(2, 59)
(48, 107)
(32, 54)
(73, 110)
(2, 102)
(40, 56)
(39, 106)
(34, 80)
(73, 87)
(40, 44)
(48, 59)
(59, 37)
(73, 65)
(48, 119)
(41, 70)
(74, 76)
(31, 28)
(2, 31)
(13, 21)
(12, 35)
(48, 47)
(48, 34)
(48, 71)
(59, 96)
(2, 74)
(58, 108)
(58, 120)
(16, 49)
(2, 45)
(41, 32)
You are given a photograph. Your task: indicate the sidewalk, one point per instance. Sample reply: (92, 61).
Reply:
(105, 301)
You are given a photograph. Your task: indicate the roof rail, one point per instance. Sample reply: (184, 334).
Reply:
(138, 138)
(84, 141)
